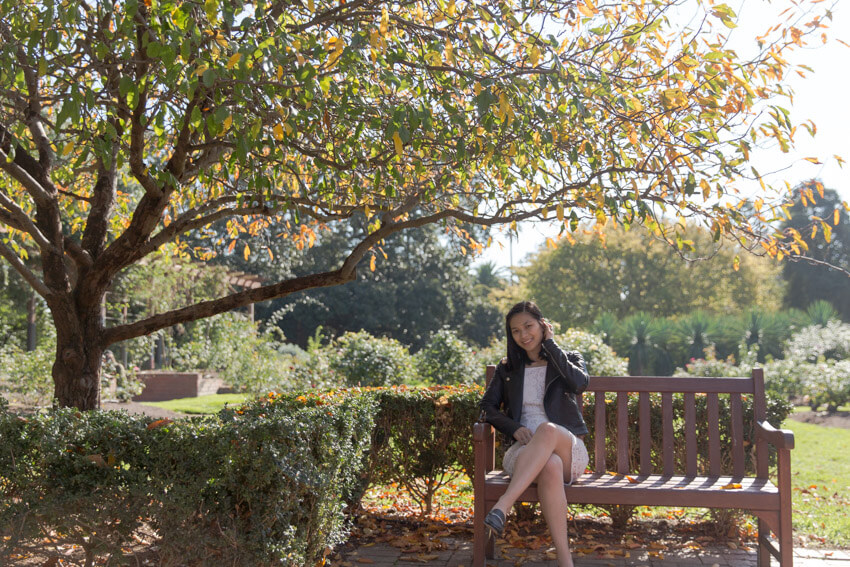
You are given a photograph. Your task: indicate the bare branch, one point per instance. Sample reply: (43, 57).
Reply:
(25, 272)
(224, 304)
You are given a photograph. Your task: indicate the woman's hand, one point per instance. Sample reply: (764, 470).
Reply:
(523, 435)
(548, 331)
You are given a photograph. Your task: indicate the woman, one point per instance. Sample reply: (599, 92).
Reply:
(537, 385)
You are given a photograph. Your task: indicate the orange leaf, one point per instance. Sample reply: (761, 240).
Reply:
(159, 423)
(731, 486)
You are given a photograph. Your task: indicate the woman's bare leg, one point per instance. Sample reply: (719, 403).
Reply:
(553, 501)
(549, 439)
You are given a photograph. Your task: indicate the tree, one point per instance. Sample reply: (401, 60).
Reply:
(630, 271)
(423, 285)
(299, 114)
(815, 271)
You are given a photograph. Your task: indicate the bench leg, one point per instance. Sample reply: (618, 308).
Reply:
(479, 535)
(763, 551)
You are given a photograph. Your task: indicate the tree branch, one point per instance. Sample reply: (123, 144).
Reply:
(222, 305)
(19, 266)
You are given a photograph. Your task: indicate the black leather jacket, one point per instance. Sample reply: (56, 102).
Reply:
(566, 376)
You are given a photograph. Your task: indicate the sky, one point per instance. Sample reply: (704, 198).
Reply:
(822, 96)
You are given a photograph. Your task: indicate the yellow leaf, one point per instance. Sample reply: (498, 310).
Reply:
(731, 486)
(560, 212)
(69, 147)
(835, 217)
(587, 8)
(311, 6)
(452, 9)
(278, 131)
(827, 232)
(736, 263)
(279, 72)
(234, 60)
(814, 160)
(227, 123)
(246, 252)
(758, 204)
(385, 20)
(372, 263)
(399, 147)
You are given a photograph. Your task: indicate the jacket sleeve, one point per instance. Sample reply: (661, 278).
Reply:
(492, 400)
(570, 366)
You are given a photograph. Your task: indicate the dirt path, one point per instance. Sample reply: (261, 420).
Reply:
(836, 419)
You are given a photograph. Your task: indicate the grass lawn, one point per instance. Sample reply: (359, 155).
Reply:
(821, 482)
(202, 404)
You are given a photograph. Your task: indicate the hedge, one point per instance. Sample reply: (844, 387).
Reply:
(265, 484)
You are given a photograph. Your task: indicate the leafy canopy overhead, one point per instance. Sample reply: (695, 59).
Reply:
(125, 126)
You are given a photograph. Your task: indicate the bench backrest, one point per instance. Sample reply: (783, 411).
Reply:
(693, 436)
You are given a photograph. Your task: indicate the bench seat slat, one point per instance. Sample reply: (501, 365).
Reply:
(656, 490)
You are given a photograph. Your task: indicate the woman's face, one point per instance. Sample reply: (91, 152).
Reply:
(527, 332)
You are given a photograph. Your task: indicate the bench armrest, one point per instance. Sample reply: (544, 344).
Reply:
(780, 438)
(481, 430)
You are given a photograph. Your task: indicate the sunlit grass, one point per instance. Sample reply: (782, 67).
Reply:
(202, 404)
(821, 482)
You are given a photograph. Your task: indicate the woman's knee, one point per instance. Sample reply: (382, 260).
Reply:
(547, 431)
(552, 471)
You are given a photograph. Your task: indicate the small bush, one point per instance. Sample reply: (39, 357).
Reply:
(360, 359)
(816, 343)
(600, 358)
(447, 359)
(422, 438)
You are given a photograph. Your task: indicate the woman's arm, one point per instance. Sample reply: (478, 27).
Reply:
(491, 401)
(570, 365)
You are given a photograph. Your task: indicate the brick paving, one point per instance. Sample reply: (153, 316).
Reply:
(458, 553)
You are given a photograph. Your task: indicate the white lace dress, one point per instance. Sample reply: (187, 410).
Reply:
(534, 415)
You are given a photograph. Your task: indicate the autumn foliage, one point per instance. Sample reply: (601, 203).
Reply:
(127, 127)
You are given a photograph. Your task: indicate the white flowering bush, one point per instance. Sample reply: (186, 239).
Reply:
(827, 383)
(813, 343)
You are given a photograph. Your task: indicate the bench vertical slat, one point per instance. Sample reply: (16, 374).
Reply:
(737, 434)
(713, 435)
(645, 435)
(623, 432)
(760, 414)
(599, 432)
(667, 432)
(690, 435)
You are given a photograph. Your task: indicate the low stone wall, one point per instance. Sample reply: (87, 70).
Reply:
(168, 385)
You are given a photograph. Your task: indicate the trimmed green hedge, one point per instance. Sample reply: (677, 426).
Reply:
(266, 483)
(262, 485)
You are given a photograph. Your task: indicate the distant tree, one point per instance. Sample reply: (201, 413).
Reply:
(812, 274)
(629, 271)
(425, 283)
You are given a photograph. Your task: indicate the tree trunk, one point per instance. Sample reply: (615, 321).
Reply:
(79, 356)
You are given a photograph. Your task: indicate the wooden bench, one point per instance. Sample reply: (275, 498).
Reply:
(708, 481)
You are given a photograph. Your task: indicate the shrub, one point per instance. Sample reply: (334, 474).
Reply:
(816, 342)
(422, 438)
(446, 359)
(27, 376)
(600, 358)
(828, 383)
(264, 484)
(363, 360)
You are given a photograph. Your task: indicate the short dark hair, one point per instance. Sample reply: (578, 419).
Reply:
(516, 354)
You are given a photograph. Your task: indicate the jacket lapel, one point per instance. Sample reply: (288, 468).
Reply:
(515, 380)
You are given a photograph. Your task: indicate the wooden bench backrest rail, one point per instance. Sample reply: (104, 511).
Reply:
(689, 387)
